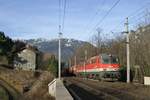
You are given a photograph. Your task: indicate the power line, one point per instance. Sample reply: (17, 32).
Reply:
(59, 18)
(64, 15)
(132, 15)
(96, 13)
(103, 18)
(139, 9)
(131, 21)
(138, 21)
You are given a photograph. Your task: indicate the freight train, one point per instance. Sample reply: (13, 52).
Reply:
(98, 67)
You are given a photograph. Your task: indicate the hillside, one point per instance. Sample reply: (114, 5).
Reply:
(29, 85)
(51, 46)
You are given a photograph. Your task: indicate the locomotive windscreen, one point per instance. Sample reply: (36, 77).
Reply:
(109, 59)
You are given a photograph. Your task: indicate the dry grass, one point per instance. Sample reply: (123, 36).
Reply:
(18, 79)
(41, 86)
(37, 85)
(3, 94)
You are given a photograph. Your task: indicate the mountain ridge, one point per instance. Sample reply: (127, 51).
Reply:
(68, 46)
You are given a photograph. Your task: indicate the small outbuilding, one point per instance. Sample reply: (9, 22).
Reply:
(27, 58)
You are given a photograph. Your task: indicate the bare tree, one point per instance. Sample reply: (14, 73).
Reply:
(98, 40)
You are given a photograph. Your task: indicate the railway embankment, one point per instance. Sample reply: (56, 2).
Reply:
(9, 92)
(30, 85)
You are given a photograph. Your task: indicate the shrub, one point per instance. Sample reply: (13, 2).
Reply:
(123, 74)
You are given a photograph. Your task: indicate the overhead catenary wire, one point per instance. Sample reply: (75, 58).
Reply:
(64, 15)
(135, 21)
(133, 24)
(96, 13)
(103, 18)
(134, 14)
(132, 19)
(140, 20)
(139, 9)
(59, 16)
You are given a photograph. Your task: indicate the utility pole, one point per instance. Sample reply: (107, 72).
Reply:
(59, 54)
(99, 40)
(70, 62)
(75, 60)
(127, 50)
(85, 52)
(75, 63)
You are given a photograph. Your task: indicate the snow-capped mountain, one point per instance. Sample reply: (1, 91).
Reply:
(51, 46)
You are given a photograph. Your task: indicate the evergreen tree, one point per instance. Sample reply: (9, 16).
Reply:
(6, 45)
(53, 65)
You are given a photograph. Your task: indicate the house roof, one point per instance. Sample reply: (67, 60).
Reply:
(29, 47)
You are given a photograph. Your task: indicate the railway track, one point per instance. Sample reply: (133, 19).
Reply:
(83, 89)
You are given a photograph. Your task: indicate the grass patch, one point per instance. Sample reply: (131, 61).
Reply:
(3, 94)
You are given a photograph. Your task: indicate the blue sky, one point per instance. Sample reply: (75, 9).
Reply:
(26, 19)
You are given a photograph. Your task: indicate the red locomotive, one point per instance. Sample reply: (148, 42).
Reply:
(98, 67)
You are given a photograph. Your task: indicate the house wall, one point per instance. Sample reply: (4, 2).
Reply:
(25, 60)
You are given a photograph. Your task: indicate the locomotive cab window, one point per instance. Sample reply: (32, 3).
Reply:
(114, 60)
(109, 59)
(105, 59)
